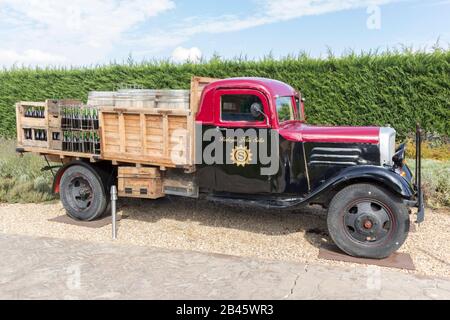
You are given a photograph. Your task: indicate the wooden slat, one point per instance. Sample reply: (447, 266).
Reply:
(197, 86)
(143, 132)
(154, 139)
(165, 135)
(122, 132)
(32, 104)
(111, 149)
(112, 136)
(102, 132)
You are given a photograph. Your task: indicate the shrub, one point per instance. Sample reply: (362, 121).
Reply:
(396, 88)
(21, 179)
(435, 181)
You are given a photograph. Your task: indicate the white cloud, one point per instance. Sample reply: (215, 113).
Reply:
(88, 31)
(30, 57)
(181, 54)
(80, 29)
(275, 11)
(272, 11)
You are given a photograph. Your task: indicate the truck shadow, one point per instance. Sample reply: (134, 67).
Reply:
(310, 220)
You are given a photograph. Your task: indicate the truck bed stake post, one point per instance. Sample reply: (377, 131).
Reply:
(113, 211)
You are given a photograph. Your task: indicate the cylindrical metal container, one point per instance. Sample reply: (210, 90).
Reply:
(101, 98)
(172, 99)
(135, 98)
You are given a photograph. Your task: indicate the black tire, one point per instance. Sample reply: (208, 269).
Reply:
(83, 194)
(367, 221)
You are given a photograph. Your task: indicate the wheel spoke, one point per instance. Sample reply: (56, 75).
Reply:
(359, 236)
(383, 216)
(364, 207)
(350, 219)
(382, 233)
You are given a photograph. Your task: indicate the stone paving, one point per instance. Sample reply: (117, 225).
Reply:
(46, 268)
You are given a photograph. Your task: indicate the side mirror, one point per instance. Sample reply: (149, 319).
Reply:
(256, 110)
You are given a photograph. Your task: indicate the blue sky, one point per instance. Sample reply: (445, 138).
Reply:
(84, 32)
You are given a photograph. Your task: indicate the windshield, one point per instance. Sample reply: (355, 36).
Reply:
(285, 109)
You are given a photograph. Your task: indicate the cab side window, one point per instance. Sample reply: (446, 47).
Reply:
(238, 108)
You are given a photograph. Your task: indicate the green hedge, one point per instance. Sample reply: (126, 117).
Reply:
(368, 89)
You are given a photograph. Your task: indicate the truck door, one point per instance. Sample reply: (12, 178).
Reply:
(243, 133)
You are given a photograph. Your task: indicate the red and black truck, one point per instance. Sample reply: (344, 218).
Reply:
(236, 141)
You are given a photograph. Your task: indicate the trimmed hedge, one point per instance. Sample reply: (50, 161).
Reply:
(368, 89)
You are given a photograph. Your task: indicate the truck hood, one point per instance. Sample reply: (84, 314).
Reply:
(297, 131)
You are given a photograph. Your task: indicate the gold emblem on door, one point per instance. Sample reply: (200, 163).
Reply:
(241, 156)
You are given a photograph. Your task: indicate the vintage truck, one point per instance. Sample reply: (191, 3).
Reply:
(237, 141)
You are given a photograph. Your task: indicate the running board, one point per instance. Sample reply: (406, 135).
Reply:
(260, 203)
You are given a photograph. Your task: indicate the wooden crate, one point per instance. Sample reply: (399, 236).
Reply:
(162, 138)
(51, 122)
(142, 182)
(197, 86)
(32, 142)
(154, 136)
(55, 137)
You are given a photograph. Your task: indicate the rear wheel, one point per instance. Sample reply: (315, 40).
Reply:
(82, 193)
(367, 221)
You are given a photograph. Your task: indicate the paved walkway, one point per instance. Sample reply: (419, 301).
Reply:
(43, 268)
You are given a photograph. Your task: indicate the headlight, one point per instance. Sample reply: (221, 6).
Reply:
(387, 145)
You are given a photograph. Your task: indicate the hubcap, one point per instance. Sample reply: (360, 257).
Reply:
(368, 224)
(81, 193)
(367, 221)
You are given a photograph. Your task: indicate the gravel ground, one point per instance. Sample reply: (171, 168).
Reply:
(201, 226)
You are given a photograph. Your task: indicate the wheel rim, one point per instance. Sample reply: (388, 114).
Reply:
(368, 221)
(81, 194)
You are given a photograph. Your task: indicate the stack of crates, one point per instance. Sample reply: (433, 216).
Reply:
(80, 129)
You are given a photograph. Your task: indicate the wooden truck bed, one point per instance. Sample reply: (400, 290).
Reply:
(146, 136)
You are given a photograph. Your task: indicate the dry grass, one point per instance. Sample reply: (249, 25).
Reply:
(434, 150)
(21, 178)
(435, 181)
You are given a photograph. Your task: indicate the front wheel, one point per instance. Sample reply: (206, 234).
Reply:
(367, 221)
(83, 194)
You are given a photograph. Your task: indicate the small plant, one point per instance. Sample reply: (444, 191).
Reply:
(435, 182)
(431, 149)
(21, 178)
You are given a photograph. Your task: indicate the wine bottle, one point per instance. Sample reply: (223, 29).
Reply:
(89, 119)
(69, 141)
(95, 118)
(87, 143)
(96, 143)
(83, 119)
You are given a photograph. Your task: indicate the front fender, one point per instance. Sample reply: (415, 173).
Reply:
(373, 174)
